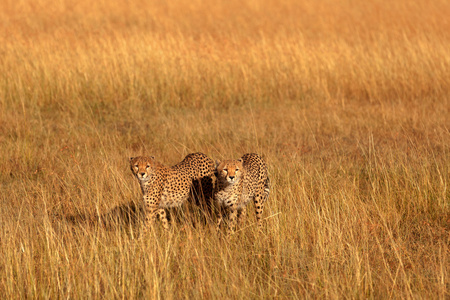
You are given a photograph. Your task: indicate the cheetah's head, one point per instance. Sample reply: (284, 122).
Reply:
(229, 170)
(142, 167)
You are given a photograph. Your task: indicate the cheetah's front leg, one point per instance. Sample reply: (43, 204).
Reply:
(232, 213)
(241, 215)
(233, 220)
(221, 212)
(163, 218)
(151, 209)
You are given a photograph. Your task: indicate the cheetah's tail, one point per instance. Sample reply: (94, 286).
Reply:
(266, 189)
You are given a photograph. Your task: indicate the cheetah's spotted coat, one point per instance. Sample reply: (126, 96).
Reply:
(239, 181)
(165, 187)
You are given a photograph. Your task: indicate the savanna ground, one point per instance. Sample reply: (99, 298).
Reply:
(348, 101)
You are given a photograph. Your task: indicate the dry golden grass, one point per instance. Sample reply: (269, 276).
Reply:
(348, 101)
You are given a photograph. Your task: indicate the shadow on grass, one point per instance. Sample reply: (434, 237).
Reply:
(123, 215)
(198, 210)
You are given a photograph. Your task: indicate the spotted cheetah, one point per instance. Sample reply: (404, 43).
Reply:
(165, 187)
(238, 181)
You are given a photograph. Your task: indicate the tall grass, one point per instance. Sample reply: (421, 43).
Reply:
(348, 102)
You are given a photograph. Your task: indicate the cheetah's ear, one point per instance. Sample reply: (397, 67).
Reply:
(216, 173)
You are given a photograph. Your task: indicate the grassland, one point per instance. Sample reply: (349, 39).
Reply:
(349, 102)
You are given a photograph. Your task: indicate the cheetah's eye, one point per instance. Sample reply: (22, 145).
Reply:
(225, 170)
(136, 166)
(148, 166)
(237, 170)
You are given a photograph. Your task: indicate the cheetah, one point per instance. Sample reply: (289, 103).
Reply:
(238, 181)
(165, 187)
